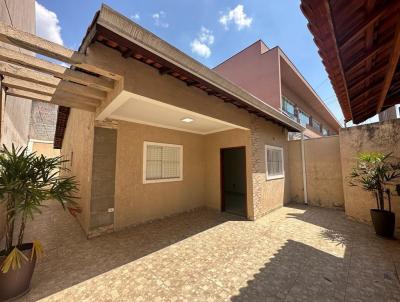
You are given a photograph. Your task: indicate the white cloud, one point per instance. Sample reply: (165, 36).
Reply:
(201, 44)
(135, 16)
(206, 36)
(236, 16)
(47, 24)
(200, 48)
(159, 19)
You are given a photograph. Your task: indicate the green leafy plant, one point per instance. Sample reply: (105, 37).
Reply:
(27, 180)
(376, 172)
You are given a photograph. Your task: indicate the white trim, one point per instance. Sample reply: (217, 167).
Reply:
(266, 163)
(40, 141)
(147, 181)
(132, 120)
(117, 102)
(303, 165)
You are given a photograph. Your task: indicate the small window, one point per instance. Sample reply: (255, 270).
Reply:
(316, 125)
(274, 162)
(325, 132)
(304, 118)
(288, 107)
(162, 162)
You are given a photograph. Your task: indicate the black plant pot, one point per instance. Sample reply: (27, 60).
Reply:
(383, 222)
(16, 283)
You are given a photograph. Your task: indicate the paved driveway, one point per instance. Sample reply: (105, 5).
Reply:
(293, 254)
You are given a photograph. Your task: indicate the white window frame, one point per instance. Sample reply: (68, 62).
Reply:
(266, 162)
(148, 181)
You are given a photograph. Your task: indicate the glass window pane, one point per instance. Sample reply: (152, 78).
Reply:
(274, 162)
(163, 162)
(288, 107)
(304, 118)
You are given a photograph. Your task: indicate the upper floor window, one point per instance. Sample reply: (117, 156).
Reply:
(288, 107)
(304, 118)
(316, 125)
(325, 132)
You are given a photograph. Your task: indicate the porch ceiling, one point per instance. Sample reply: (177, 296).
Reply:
(139, 109)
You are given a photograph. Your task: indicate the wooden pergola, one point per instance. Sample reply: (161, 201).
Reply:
(81, 85)
(359, 43)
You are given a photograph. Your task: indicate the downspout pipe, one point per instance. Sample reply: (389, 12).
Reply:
(303, 165)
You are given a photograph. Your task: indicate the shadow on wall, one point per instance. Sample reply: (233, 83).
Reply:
(71, 259)
(300, 272)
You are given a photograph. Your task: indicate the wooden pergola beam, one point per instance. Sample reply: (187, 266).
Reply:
(82, 90)
(19, 72)
(61, 100)
(11, 82)
(49, 91)
(56, 70)
(25, 74)
(44, 47)
(29, 95)
(392, 65)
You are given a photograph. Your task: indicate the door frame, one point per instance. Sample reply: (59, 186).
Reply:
(221, 173)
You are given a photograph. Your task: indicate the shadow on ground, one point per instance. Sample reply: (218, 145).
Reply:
(366, 271)
(70, 258)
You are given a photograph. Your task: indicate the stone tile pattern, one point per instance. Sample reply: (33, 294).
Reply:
(295, 253)
(43, 121)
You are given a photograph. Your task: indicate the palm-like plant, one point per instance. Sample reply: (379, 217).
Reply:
(376, 172)
(26, 181)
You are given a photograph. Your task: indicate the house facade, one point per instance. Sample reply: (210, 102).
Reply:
(271, 76)
(390, 114)
(175, 136)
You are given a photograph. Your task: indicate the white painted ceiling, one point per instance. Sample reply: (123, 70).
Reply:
(143, 110)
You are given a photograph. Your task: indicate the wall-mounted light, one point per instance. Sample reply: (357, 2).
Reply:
(187, 120)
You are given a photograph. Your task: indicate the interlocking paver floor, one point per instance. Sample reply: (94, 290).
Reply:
(296, 253)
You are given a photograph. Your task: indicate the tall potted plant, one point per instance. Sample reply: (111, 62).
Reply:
(378, 173)
(26, 182)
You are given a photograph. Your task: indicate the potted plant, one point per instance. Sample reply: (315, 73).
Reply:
(377, 173)
(26, 182)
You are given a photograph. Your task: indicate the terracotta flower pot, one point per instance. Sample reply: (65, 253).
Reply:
(16, 283)
(383, 222)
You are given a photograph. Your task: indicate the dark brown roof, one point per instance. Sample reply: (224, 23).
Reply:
(62, 119)
(359, 43)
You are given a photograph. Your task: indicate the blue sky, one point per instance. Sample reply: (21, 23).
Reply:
(210, 31)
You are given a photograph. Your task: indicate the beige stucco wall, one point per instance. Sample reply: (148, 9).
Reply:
(213, 144)
(267, 194)
(15, 112)
(46, 149)
(78, 146)
(136, 202)
(323, 172)
(139, 78)
(378, 137)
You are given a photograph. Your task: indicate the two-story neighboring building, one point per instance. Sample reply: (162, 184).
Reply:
(390, 114)
(271, 76)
